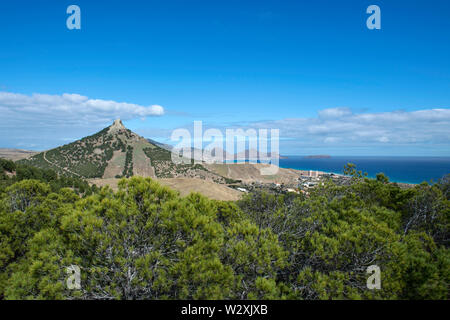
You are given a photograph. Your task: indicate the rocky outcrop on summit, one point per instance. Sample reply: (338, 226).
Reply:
(116, 127)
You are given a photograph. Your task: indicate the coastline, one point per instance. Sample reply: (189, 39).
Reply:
(399, 169)
(343, 175)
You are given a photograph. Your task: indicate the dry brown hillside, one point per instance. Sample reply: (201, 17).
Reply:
(16, 154)
(185, 186)
(251, 172)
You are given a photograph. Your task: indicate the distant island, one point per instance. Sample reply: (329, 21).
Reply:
(319, 156)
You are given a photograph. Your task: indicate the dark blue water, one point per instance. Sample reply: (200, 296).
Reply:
(398, 169)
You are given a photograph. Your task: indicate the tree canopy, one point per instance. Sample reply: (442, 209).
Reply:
(145, 241)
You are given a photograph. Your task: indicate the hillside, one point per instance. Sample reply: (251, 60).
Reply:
(251, 172)
(117, 152)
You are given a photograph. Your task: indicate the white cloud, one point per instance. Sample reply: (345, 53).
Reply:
(45, 120)
(415, 131)
(73, 107)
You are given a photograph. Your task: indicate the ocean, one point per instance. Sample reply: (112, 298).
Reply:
(398, 169)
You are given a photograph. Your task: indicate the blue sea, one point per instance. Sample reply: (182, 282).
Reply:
(398, 169)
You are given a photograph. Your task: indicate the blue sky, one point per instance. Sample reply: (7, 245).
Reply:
(285, 64)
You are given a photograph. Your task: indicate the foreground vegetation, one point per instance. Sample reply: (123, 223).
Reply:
(11, 173)
(146, 242)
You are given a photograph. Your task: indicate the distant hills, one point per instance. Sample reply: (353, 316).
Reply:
(161, 145)
(318, 156)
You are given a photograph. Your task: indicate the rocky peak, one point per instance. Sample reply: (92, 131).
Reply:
(117, 126)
